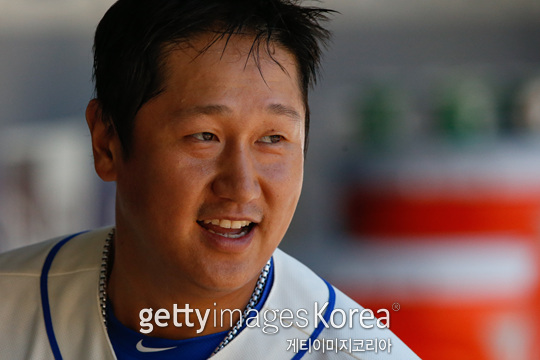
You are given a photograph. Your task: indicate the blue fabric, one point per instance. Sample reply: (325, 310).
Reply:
(44, 289)
(124, 340)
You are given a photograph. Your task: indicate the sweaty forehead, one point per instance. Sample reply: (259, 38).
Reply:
(244, 50)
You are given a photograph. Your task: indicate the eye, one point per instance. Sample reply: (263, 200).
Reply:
(204, 136)
(271, 139)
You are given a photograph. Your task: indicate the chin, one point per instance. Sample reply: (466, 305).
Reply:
(230, 277)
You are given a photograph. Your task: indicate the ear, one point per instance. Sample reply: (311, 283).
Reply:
(105, 143)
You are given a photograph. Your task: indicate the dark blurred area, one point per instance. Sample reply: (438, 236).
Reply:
(422, 184)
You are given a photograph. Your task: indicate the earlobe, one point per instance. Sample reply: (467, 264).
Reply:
(104, 142)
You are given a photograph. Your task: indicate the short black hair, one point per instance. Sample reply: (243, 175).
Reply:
(132, 35)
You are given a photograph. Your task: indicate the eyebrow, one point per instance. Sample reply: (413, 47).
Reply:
(211, 110)
(276, 109)
(280, 109)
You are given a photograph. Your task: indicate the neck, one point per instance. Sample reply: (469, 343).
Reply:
(138, 295)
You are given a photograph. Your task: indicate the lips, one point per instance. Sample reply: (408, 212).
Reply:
(230, 229)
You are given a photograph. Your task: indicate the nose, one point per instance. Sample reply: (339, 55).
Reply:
(237, 177)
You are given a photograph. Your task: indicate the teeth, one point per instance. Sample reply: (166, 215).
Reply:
(228, 224)
(238, 224)
(225, 224)
(231, 236)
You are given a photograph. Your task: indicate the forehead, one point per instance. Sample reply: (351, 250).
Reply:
(243, 54)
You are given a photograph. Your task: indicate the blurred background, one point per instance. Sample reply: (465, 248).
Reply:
(422, 186)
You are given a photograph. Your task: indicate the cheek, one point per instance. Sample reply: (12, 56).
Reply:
(161, 184)
(178, 182)
(284, 183)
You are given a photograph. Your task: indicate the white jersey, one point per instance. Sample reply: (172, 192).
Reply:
(50, 309)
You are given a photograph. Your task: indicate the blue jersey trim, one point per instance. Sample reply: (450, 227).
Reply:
(43, 283)
(326, 317)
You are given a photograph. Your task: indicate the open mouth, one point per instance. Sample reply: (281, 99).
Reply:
(231, 229)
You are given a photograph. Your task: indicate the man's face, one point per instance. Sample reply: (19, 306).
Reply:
(216, 166)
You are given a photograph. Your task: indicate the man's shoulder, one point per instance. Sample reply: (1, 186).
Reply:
(29, 260)
(305, 277)
(60, 276)
(342, 318)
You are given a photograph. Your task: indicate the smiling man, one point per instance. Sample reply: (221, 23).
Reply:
(201, 119)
